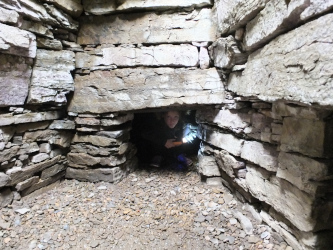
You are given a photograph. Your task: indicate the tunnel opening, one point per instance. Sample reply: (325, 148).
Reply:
(149, 130)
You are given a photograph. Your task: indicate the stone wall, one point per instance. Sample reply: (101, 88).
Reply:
(37, 54)
(271, 139)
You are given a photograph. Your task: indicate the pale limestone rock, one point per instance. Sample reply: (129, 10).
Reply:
(307, 112)
(20, 174)
(26, 183)
(9, 16)
(96, 151)
(309, 137)
(278, 17)
(133, 89)
(207, 166)
(233, 14)
(90, 121)
(18, 42)
(52, 44)
(228, 163)
(51, 76)
(301, 171)
(37, 28)
(4, 179)
(229, 119)
(261, 154)
(14, 79)
(28, 148)
(62, 125)
(295, 66)
(9, 119)
(102, 7)
(283, 197)
(226, 54)
(204, 59)
(148, 28)
(162, 55)
(117, 120)
(45, 148)
(221, 140)
(72, 7)
(63, 19)
(39, 157)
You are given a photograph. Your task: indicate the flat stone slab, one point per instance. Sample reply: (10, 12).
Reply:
(184, 55)
(135, 89)
(296, 66)
(102, 7)
(148, 28)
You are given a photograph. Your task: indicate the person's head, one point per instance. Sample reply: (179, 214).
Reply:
(171, 118)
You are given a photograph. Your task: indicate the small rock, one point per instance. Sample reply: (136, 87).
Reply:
(22, 210)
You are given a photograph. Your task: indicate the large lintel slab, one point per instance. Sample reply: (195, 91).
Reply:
(135, 89)
(102, 7)
(297, 66)
(151, 28)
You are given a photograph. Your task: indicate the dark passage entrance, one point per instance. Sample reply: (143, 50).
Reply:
(150, 131)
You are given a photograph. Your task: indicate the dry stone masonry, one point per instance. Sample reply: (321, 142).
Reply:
(259, 73)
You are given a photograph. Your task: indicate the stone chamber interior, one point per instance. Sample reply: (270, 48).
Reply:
(79, 79)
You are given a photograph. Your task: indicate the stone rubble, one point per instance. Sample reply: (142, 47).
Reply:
(150, 209)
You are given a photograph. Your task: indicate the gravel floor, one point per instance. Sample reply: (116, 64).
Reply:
(150, 209)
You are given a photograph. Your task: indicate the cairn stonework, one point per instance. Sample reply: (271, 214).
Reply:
(73, 74)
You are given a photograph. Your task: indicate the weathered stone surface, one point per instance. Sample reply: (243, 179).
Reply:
(102, 7)
(226, 54)
(284, 197)
(9, 16)
(295, 66)
(88, 160)
(264, 155)
(234, 14)
(309, 137)
(18, 42)
(228, 163)
(6, 197)
(15, 73)
(61, 138)
(307, 112)
(62, 124)
(117, 120)
(43, 183)
(7, 154)
(53, 170)
(148, 28)
(229, 119)
(96, 140)
(52, 44)
(221, 140)
(278, 17)
(20, 174)
(39, 157)
(95, 175)
(207, 166)
(37, 28)
(303, 172)
(184, 55)
(26, 183)
(51, 77)
(72, 7)
(93, 150)
(28, 148)
(4, 179)
(133, 89)
(204, 60)
(9, 119)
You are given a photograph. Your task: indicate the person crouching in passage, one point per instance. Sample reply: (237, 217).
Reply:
(167, 141)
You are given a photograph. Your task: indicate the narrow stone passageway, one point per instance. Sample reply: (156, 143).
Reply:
(150, 209)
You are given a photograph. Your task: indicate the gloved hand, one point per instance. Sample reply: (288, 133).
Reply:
(189, 133)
